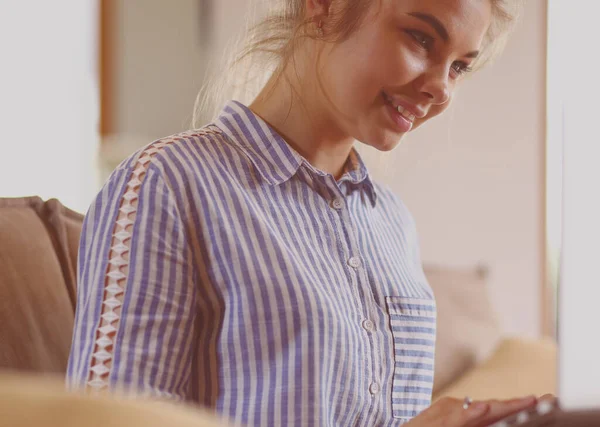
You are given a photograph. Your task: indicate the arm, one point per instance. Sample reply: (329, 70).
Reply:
(135, 318)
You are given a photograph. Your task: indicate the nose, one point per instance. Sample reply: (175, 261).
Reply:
(435, 86)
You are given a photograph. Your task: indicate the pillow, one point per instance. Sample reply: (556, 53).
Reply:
(65, 225)
(467, 328)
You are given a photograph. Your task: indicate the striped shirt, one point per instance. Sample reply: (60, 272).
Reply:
(218, 266)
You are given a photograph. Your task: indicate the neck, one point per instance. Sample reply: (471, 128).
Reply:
(293, 111)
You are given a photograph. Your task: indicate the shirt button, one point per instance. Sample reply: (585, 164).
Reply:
(337, 204)
(374, 388)
(368, 325)
(354, 262)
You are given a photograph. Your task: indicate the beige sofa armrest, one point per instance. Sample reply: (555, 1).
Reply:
(518, 367)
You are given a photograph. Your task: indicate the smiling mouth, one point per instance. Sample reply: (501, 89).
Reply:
(401, 110)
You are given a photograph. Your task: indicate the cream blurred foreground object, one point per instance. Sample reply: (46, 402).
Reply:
(518, 367)
(42, 402)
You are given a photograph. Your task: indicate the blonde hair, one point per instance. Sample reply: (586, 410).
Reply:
(268, 46)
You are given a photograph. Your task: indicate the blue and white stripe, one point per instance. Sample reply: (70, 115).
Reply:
(218, 266)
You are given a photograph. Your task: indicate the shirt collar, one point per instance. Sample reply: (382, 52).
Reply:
(356, 173)
(275, 159)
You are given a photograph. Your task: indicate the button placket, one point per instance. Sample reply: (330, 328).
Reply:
(374, 388)
(368, 325)
(359, 279)
(337, 204)
(354, 262)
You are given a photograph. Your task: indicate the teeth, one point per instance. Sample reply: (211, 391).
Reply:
(405, 113)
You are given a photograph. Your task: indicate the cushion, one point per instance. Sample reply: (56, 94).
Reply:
(519, 367)
(37, 284)
(467, 328)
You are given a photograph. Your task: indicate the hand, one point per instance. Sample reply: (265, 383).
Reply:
(449, 412)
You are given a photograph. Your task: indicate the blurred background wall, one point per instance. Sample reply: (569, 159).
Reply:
(159, 62)
(49, 106)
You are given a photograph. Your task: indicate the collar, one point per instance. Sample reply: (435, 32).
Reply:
(272, 156)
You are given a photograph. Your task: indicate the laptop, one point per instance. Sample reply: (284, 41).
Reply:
(579, 282)
(572, 126)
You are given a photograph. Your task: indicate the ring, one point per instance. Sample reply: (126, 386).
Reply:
(467, 402)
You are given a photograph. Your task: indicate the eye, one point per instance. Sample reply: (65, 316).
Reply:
(460, 68)
(423, 40)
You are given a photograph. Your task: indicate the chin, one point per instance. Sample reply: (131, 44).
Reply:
(386, 142)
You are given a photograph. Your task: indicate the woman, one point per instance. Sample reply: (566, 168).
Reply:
(253, 266)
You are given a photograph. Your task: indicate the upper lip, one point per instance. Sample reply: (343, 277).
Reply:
(414, 109)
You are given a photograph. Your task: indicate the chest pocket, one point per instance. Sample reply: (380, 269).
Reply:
(413, 324)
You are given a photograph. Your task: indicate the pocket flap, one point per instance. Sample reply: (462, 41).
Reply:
(405, 306)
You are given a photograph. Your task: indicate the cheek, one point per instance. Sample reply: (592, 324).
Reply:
(404, 66)
(353, 77)
(359, 68)
(394, 66)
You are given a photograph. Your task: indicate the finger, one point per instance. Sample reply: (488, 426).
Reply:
(474, 414)
(451, 410)
(500, 409)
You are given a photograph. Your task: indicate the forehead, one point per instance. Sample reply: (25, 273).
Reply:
(466, 21)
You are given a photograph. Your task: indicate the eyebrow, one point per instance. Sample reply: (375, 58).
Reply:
(439, 28)
(434, 22)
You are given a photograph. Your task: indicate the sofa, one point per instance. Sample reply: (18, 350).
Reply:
(38, 253)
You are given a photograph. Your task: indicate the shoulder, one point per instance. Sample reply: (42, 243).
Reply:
(176, 157)
(174, 149)
(164, 167)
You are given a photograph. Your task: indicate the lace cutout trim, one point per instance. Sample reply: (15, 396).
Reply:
(118, 264)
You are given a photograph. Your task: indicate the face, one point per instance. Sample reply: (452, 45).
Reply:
(402, 66)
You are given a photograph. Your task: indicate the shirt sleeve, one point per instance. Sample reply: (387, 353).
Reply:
(136, 304)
